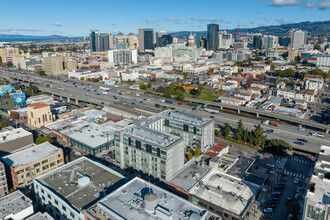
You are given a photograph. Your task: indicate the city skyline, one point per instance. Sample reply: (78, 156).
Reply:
(46, 18)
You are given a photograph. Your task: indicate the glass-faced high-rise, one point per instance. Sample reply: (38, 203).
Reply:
(146, 39)
(94, 41)
(212, 36)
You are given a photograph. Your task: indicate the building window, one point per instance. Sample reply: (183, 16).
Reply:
(45, 161)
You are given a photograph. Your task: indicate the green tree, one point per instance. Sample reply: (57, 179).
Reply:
(143, 86)
(200, 86)
(167, 94)
(226, 130)
(42, 73)
(4, 124)
(185, 75)
(258, 135)
(197, 153)
(239, 132)
(82, 78)
(190, 156)
(216, 132)
(0, 60)
(180, 95)
(269, 61)
(100, 78)
(289, 72)
(205, 84)
(43, 139)
(272, 67)
(149, 84)
(178, 79)
(276, 146)
(317, 47)
(246, 135)
(9, 64)
(89, 79)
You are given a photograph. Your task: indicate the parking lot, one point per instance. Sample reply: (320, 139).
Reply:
(291, 187)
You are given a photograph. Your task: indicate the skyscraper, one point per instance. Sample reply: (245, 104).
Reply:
(268, 42)
(257, 41)
(225, 40)
(164, 40)
(191, 40)
(212, 36)
(106, 41)
(146, 39)
(299, 39)
(94, 41)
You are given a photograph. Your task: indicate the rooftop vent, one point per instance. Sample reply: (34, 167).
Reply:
(84, 180)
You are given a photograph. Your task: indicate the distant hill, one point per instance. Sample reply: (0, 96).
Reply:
(17, 37)
(318, 28)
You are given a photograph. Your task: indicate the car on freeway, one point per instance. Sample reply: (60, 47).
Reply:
(299, 142)
(180, 103)
(301, 129)
(268, 210)
(302, 140)
(211, 116)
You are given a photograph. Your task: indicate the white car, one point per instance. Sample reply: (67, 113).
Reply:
(105, 93)
(301, 129)
(275, 132)
(268, 210)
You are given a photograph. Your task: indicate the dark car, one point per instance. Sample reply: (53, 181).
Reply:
(299, 142)
(302, 140)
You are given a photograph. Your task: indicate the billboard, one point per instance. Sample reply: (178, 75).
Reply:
(20, 99)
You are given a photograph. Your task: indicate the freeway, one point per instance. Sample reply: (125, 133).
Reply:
(89, 92)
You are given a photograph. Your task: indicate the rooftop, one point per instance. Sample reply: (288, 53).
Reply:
(190, 176)
(30, 154)
(228, 192)
(13, 203)
(139, 199)
(38, 105)
(10, 134)
(186, 117)
(40, 216)
(321, 192)
(90, 134)
(162, 139)
(80, 182)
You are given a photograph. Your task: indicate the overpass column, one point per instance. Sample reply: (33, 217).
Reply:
(61, 98)
(221, 107)
(52, 95)
(238, 111)
(68, 99)
(257, 115)
(77, 101)
(327, 131)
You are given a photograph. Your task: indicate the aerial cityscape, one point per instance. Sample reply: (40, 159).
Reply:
(165, 110)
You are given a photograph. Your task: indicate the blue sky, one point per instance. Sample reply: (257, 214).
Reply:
(76, 18)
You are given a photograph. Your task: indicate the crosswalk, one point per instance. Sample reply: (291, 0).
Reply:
(296, 175)
(300, 161)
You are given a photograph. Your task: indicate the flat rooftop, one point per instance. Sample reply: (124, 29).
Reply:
(30, 154)
(190, 176)
(152, 136)
(80, 182)
(228, 192)
(186, 117)
(62, 124)
(90, 134)
(13, 203)
(129, 202)
(40, 216)
(11, 133)
(39, 98)
(321, 194)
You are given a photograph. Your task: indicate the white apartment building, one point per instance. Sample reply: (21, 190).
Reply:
(150, 151)
(122, 56)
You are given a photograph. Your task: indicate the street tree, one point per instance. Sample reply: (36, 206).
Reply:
(226, 130)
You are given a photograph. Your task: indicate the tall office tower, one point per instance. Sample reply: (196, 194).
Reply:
(197, 41)
(106, 41)
(284, 41)
(204, 43)
(225, 40)
(268, 42)
(191, 40)
(159, 35)
(299, 39)
(132, 41)
(212, 36)
(257, 41)
(146, 39)
(94, 41)
(289, 34)
(164, 40)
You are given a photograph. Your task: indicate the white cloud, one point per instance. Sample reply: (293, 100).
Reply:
(280, 3)
(149, 21)
(313, 4)
(175, 20)
(5, 29)
(26, 29)
(216, 20)
(56, 24)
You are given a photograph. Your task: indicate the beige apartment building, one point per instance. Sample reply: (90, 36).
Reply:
(39, 114)
(34, 160)
(12, 54)
(55, 65)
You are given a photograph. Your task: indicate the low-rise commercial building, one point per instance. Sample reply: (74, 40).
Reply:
(12, 139)
(142, 200)
(31, 162)
(67, 191)
(39, 114)
(226, 195)
(15, 206)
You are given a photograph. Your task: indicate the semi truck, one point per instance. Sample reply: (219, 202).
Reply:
(211, 110)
